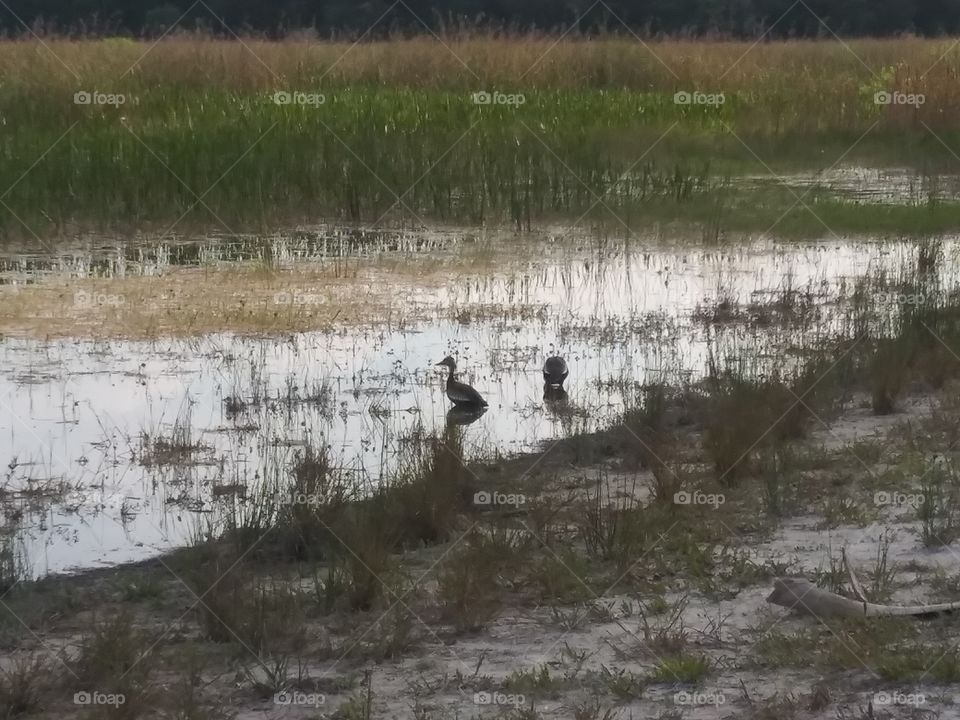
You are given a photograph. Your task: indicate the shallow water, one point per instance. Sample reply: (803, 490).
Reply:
(81, 485)
(890, 185)
(99, 256)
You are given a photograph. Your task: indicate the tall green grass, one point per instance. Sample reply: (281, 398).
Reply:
(199, 139)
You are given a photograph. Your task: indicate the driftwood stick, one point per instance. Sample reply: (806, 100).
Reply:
(854, 580)
(803, 596)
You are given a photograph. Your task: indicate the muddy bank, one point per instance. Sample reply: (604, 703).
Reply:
(546, 609)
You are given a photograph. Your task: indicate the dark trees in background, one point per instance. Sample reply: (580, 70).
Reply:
(350, 18)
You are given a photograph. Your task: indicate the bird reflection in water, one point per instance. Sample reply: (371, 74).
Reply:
(554, 395)
(464, 415)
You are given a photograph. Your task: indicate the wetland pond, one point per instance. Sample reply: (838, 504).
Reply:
(117, 449)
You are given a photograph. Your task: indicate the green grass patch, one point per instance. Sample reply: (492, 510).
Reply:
(682, 668)
(199, 138)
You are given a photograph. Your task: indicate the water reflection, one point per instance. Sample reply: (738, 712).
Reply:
(896, 186)
(95, 256)
(232, 410)
(554, 394)
(464, 415)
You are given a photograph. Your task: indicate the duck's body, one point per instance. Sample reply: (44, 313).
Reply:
(460, 394)
(555, 371)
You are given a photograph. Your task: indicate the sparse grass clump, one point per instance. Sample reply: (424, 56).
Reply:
(360, 704)
(176, 448)
(682, 668)
(779, 648)
(743, 415)
(621, 683)
(563, 574)
(24, 686)
(364, 540)
(468, 583)
(317, 496)
(612, 529)
(116, 658)
(527, 681)
(11, 561)
(659, 634)
(938, 508)
(884, 572)
(588, 710)
(143, 587)
(237, 602)
(187, 700)
(431, 490)
(888, 373)
(898, 649)
(312, 511)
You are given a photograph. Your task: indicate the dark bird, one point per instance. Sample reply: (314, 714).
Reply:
(460, 394)
(555, 371)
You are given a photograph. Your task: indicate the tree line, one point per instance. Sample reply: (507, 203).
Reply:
(352, 18)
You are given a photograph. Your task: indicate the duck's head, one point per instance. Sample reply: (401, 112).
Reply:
(448, 362)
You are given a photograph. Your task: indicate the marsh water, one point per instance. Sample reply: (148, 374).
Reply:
(85, 485)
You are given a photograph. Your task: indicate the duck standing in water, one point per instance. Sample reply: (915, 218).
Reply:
(461, 394)
(555, 371)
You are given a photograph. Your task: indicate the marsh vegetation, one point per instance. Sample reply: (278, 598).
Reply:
(198, 133)
(233, 484)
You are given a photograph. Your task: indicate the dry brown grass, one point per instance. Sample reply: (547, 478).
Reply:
(241, 298)
(398, 116)
(540, 62)
(790, 74)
